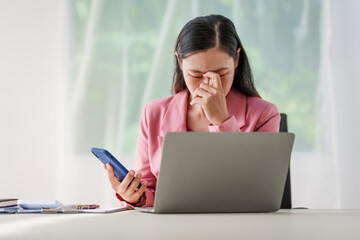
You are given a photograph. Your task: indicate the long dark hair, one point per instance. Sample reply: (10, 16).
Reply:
(203, 33)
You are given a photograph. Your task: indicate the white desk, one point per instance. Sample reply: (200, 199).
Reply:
(285, 224)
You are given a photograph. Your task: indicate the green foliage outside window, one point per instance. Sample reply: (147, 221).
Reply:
(128, 65)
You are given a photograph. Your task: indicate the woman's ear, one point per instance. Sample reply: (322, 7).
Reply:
(237, 57)
(177, 56)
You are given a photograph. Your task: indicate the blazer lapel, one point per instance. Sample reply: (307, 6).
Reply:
(236, 104)
(175, 117)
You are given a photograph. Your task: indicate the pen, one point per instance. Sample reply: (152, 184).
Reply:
(87, 206)
(59, 210)
(51, 210)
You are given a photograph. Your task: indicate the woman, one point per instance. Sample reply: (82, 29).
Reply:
(213, 91)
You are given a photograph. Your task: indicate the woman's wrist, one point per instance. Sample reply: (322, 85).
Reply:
(220, 122)
(141, 201)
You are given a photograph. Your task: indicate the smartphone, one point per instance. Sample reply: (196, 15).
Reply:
(106, 157)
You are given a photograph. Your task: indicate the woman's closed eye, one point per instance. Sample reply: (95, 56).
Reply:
(197, 76)
(221, 75)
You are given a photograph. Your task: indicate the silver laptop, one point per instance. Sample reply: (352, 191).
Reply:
(205, 172)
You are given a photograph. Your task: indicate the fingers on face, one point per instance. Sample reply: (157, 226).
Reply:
(207, 88)
(202, 101)
(215, 79)
(199, 98)
(205, 91)
(202, 92)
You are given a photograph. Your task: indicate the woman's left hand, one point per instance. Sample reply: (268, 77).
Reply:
(212, 99)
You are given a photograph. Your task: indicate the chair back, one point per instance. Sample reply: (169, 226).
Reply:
(286, 200)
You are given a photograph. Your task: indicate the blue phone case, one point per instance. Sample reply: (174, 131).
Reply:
(106, 157)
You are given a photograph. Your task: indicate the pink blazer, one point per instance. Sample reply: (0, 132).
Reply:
(247, 114)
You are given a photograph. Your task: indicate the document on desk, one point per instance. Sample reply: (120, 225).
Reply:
(54, 206)
(18, 209)
(105, 210)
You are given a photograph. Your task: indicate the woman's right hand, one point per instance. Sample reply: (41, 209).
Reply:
(130, 194)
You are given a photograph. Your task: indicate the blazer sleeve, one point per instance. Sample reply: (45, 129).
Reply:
(142, 164)
(229, 125)
(269, 120)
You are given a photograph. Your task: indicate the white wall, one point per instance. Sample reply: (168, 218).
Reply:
(345, 72)
(329, 178)
(32, 55)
